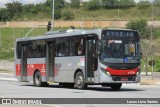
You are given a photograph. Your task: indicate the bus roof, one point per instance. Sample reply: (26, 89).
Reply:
(120, 29)
(68, 33)
(59, 34)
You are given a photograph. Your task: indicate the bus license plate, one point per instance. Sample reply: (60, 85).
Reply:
(124, 79)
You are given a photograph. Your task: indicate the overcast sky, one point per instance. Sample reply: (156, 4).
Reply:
(3, 2)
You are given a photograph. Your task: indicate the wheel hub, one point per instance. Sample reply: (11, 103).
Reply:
(79, 80)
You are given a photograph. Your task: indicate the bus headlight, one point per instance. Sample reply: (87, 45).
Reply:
(139, 70)
(105, 71)
(138, 73)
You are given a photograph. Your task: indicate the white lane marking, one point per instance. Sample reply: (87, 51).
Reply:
(52, 105)
(9, 79)
(7, 73)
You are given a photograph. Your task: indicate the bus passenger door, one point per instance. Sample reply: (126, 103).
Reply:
(91, 62)
(50, 60)
(23, 62)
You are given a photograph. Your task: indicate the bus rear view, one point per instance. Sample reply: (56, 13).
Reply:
(120, 57)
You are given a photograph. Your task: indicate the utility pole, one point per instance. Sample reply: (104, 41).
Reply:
(53, 16)
(14, 38)
(0, 38)
(118, 13)
(152, 42)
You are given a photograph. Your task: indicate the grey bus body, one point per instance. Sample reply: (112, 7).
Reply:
(63, 69)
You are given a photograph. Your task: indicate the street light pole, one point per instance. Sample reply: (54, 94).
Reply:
(118, 17)
(53, 16)
(118, 12)
(152, 41)
(152, 63)
(14, 38)
(0, 38)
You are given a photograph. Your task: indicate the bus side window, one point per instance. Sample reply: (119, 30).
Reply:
(18, 50)
(32, 49)
(72, 47)
(77, 46)
(80, 46)
(62, 48)
(41, 48)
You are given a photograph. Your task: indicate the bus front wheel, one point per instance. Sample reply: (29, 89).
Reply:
(79, 81)
(37, 80)
(116, 86)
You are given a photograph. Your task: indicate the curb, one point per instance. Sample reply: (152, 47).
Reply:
(150, 82)
(8, 79)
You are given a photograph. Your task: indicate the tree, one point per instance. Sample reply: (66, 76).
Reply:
(75, 3)
(5, 14)
(126, 3)
(57, 13)
(67, 15)
(109, 3)
(156, 2)
(58, 3)
(143, 4)
(14, 7)
(92, 5)
(140, 25)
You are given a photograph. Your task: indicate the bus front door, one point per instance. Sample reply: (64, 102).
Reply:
(23, 62)
(90, 58)
(50, 60)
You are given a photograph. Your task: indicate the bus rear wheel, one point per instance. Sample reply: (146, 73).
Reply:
(37, 80)
(79, 81)
(116, 86)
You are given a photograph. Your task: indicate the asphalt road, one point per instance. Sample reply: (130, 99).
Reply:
(10, 88)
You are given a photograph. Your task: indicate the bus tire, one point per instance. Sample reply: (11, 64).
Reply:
(37, 80)
(79, 81)
(116, 86)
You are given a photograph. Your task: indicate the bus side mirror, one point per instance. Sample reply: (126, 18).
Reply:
(141, 55)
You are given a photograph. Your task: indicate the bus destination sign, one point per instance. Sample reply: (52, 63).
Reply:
(113, 33)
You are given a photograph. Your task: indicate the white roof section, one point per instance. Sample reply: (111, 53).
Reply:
(69, 33)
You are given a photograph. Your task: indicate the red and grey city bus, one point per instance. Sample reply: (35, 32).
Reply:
(107, 57)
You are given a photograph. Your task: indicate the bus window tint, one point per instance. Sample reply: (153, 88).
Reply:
(41, 48)
(77, 46)
(62, 47)
(18, 50)
(70, 47)
(36, 49)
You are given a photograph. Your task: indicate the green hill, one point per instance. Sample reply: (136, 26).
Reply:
(92, 10)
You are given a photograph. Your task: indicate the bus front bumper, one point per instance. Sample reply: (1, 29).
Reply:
(119, 79)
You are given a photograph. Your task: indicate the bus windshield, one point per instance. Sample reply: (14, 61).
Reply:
(120, 51)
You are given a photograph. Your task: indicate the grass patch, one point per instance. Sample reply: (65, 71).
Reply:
(133, 13)
(6, 71)
(9, 35)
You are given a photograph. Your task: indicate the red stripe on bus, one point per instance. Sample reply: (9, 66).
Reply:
(32, 67)
(122, 72)
(18, 67)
